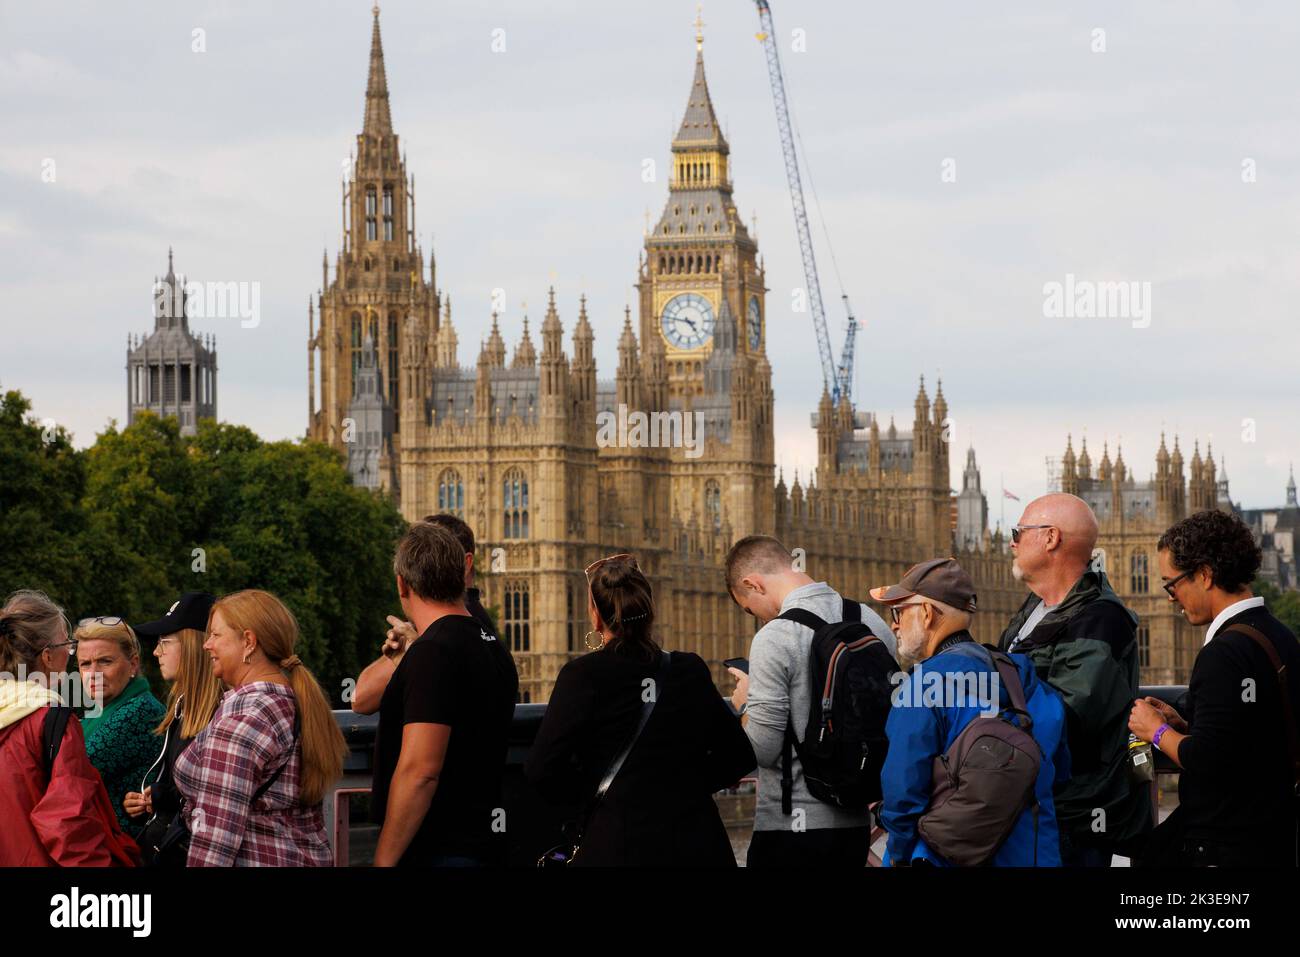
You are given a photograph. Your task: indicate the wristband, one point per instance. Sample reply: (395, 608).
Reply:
(1155, 738)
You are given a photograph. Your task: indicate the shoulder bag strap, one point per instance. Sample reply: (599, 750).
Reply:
(1280, 670)
(661, 684)
(1009, 675)
(275, 775)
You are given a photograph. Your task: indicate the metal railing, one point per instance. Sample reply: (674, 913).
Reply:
(533, 829)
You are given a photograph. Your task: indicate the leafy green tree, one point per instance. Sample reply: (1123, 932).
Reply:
(41, 519)
(1285, 605)
(146, 513)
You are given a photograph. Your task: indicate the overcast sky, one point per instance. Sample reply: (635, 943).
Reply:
(1170, 158)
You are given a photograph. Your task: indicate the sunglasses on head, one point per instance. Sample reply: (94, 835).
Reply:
(106, 620)
(625, 556)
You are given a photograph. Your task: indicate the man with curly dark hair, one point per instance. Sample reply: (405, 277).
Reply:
(1234, 733)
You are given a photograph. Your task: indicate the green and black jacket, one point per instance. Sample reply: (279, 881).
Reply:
(1086, 649)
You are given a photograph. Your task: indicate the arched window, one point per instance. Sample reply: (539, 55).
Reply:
(388, 212)
(1144, 646)
(451, 493)
(514, 504)
(514, 616)
(1138, 579)
(392, 359)
(356, 347)
(370, 214)
(713, 504)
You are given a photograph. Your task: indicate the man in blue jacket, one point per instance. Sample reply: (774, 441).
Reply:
(953, 682)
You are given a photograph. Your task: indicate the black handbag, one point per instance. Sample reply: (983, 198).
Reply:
(561, 855)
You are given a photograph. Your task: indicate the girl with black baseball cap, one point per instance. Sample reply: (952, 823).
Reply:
(195, 694)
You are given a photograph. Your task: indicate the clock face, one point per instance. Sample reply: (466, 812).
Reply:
(687, 321)
(755, 322)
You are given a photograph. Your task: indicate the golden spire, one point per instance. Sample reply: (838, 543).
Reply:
(699, 27)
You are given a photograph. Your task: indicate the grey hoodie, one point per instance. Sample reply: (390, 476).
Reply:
(778, 687)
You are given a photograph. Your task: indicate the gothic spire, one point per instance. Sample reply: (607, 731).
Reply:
(700, 129)
(378, 120)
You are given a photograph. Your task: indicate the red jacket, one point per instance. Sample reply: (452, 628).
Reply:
(67, 821)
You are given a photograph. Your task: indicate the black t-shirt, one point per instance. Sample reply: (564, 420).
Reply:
(457, 673)
(476, 611)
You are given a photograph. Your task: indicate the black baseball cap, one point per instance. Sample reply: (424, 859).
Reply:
(189, 611)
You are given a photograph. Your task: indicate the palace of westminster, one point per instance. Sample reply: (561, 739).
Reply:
(510, 443)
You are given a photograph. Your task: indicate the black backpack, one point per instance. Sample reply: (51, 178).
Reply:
(844, 743)
(52, 728)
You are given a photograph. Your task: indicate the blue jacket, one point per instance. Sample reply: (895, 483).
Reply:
(928, 713)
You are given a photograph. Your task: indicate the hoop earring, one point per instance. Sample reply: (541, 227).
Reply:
(248, 658)
(586, 640)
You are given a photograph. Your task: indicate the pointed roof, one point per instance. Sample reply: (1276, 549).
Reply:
(582, 329)
(525, 354)
(495, 348)
(378, 120)
(627, 340)
(700, 129)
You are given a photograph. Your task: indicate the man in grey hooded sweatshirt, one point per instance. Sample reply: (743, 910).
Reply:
(763, 580)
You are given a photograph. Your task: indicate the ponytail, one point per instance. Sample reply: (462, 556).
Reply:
(323, 745)
(625, 601)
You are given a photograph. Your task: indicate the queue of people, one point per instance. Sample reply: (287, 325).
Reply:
(1024, 753)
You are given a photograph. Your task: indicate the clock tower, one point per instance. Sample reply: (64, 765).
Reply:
(703, 323)
(699, 256)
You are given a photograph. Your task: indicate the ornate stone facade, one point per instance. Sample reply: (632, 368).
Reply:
(671, 459)
(1132, 516)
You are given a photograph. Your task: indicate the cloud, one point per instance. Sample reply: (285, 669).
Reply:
(1124, 165)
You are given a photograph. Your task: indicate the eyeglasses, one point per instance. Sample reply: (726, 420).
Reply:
(896, 611)
(71, 643)
(106, 620)
(1169, 585)
(1017, 530)
(625, 556)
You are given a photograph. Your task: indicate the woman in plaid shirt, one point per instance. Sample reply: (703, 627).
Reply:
(254, 780)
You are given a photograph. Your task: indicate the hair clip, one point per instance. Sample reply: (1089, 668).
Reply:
(628, 618)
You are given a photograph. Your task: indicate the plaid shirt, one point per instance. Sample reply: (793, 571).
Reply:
(248, 738)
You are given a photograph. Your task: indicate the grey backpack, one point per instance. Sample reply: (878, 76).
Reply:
(984, 781)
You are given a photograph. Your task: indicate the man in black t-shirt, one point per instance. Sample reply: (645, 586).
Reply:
(374, 678)
(444, 719)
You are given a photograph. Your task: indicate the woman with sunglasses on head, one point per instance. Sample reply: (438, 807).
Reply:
(119, 725)
(195, 694)
(658, 712)
(55, 810)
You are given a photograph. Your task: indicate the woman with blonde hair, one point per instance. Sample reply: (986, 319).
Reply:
(254, 781)
(193, 700)
(119, 728)
(52, 800)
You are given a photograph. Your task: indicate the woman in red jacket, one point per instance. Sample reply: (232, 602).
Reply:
(55, 814)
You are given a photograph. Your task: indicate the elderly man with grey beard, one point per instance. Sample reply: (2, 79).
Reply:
(1082, 640)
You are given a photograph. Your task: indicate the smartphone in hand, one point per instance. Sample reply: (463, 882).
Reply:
(740, 664)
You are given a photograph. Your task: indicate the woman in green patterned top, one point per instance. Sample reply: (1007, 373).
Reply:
(119, 736)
